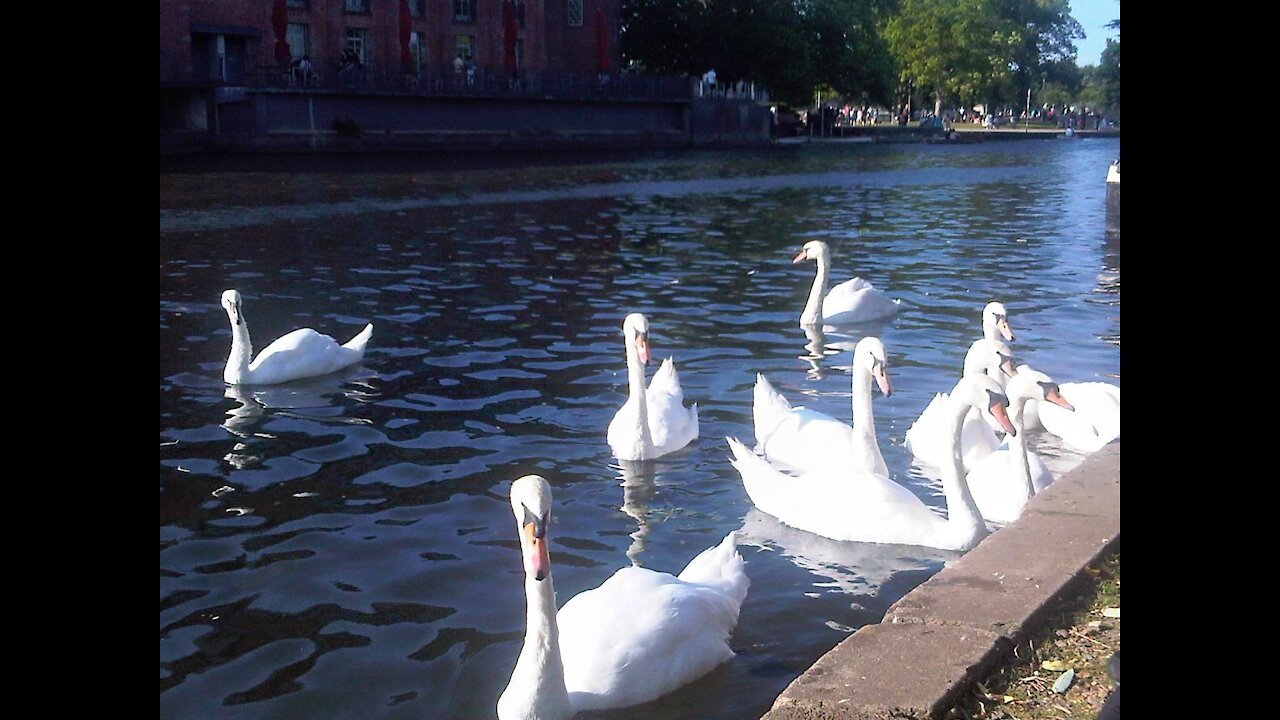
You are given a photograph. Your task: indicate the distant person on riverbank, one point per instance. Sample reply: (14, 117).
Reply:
(351, 64)
(458, 64)
(302, 71)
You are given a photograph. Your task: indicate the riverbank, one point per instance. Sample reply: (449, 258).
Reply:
(951, 632)
(964, 135)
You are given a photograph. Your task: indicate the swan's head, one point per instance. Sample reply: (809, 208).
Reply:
(1035, 385)
(231, 303)
(994, 316)
(985, 394)
(812, 250)
(869, 354)
(991, 357)
(636, 330)
(531, 503)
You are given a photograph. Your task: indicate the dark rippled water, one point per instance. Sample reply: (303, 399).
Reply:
(343, 547)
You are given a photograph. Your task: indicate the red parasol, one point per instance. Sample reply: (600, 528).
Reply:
(602, 43)
(509, 31)
(406, 31)
(280, 24)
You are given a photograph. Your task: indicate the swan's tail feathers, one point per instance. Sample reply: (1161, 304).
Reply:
(667, 380)
(720, 567)
(768, 409)
(359, 342)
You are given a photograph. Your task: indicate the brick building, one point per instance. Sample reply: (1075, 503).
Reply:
(234, 41)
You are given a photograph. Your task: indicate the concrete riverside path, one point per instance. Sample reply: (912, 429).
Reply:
(949, 632)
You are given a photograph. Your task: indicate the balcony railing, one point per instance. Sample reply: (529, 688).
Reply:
(482, 82)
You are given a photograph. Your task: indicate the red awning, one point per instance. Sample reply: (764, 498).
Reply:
(509, 33)
(280, 24)
(406, 37)
(602, 43)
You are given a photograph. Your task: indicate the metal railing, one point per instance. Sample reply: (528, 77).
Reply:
(480, 82)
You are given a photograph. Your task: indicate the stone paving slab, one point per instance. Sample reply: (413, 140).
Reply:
(944, 635)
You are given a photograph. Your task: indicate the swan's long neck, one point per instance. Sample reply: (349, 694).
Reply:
(1018, 446)
(537, 686)
(635, 386)
(813, 309)
(864, 427)
(241, 352)
(964, 519)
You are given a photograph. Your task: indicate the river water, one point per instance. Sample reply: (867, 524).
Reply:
(343, 547)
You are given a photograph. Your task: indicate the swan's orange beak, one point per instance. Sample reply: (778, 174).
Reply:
(537, 560)
(642, 346)
(882, 378)
(1052, 395)
(799, 258)
(1000, 409)
(1002, 325)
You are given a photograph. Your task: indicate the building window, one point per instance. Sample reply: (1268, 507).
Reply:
(463, 10)
(575, 13)
(356, 6)
(357, 39)
(298, 35)
(417, 8)
(464, 45)
(418, 49)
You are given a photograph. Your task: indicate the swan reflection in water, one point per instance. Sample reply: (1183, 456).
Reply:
(855, 568)
(254, 402)
(639, 488)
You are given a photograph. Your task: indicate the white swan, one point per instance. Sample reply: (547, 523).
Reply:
(1094, 422)
(807, 439)
(302, 353)
(995, 323)
(1003, 481)
(655, 422)
(854, 505)
(929, 436)
(852, 301)
(635, 638)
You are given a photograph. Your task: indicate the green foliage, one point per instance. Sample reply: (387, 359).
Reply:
(972, 51)
(1109, 74)
(964, 51)
(788, 46)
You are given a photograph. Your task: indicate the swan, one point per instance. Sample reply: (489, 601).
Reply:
(300, 354)
(852, 301)
(655, 422)
(806, 439)
(856, 505)
(1094, 422)
(929, 435)
(995, 323)
(1005, 480)
(637, 637)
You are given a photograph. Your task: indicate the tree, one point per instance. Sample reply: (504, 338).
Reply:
(955, 49)
(787, 46)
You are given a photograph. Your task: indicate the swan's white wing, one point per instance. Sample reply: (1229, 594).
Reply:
(641, 635)
(300, 354)
(856, 301)
(837, 503)
(928, 440)
(671, 424)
